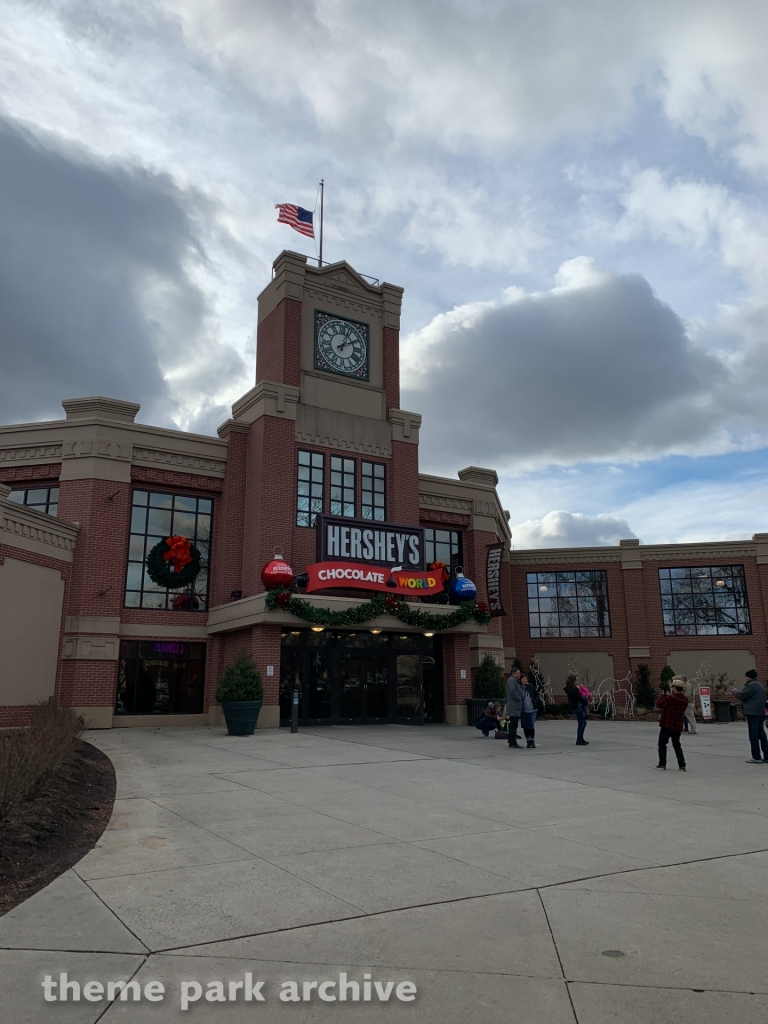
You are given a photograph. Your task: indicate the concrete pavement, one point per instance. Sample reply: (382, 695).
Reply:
(562, 884)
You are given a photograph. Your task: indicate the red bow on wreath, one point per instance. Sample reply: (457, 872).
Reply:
(178, 554)
(391, 603)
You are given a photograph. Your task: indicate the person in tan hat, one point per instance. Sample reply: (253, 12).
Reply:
(690, 711)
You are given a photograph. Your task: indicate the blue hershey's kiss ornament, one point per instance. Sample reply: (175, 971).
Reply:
(461, 589)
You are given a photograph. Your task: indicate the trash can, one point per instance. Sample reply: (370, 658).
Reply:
(476, 706)
(722, 710)
(735, 709)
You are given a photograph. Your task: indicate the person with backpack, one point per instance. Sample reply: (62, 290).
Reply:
(752, 697)
(578, 705)
(531, 707)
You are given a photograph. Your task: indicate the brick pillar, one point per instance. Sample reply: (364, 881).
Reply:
(392, 367)
(455, 687)
(263, 644)
(403, 496)
(227, 554)
(103, 509)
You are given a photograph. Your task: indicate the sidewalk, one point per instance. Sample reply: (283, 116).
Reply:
(557, 885)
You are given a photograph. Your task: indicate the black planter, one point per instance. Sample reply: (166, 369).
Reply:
(722, 710)
(241, 716)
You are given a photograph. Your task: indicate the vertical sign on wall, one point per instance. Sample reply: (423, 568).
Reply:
(493, 579)
(705, 702)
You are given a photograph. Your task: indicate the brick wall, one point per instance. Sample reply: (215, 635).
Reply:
(392, 367)
(636, 620)
(278, 344)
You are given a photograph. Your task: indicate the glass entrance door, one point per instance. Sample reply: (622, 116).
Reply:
(360, 677)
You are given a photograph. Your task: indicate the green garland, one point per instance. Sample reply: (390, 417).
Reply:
(162, 572)
(380, 604)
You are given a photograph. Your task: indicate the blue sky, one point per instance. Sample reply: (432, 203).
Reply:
(573, 195)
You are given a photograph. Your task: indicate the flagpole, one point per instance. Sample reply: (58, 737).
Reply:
(322, 193)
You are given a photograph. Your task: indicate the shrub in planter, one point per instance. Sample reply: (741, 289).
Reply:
(558, 710)
(489, 680)
(666, 676)
(241, 695)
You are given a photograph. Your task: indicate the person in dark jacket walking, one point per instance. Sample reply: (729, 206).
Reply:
(531, 705)
(752, 698)
(673, 707)
(579, 708)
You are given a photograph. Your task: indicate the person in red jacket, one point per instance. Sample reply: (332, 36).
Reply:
(673, 707)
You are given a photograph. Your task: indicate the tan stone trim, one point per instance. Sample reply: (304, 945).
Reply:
(349, 301)
(455, 714)
(100, 446)
(98, 407)
(328, 428)
(475, 493)
(96, 718)
(179, 460)
(251, 611)
(639, 652)
(91, 648)
(232, 427)
(142, 631)
(92, 624)
(632, 557)
(405, 425)
(156, 721)
(267, 399)
(29, 530)
(30, 455)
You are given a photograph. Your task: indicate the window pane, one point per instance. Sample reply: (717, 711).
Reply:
(705, 600)
(568, 604)
(152, 520)
(309, 488)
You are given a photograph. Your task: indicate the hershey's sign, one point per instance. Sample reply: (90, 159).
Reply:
(374, 543)
(493, 579)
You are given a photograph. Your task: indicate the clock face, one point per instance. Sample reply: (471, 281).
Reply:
(341, 346)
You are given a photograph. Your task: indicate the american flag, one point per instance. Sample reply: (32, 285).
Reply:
(296, 217)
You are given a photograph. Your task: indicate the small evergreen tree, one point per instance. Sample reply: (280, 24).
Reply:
(666, 676)
(240, 681)
(645, 695)
(489, 680)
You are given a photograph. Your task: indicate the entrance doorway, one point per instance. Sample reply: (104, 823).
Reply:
(361, 677)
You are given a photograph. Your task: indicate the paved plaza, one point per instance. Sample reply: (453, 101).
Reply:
(555, 885)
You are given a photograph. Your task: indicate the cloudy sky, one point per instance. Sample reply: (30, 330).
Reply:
(573, 194)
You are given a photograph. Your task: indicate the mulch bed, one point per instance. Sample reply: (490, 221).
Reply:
(50, 833)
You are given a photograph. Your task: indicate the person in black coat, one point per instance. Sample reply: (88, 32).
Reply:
(579, 707)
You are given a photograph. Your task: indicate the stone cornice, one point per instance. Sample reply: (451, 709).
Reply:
(475, 495)
(251, 611)
(92, 444)
(711, 552)
(34, 531)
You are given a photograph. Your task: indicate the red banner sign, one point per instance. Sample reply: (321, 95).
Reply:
(323, 575)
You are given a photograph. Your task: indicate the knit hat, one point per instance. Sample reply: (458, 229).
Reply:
(751, 674)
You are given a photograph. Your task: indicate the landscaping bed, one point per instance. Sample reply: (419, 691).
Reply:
(49, 833)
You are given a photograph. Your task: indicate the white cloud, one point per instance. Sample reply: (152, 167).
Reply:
(596, 368)
(563, 529)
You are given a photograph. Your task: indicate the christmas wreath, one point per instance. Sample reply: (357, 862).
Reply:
(173, 563)
(410, 614)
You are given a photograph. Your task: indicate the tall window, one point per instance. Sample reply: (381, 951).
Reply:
(309, 499)
(568, 604)
(154, 517)
(704, 600)
(342, 486)
(373, 479)
(442, 546)
(44, 499)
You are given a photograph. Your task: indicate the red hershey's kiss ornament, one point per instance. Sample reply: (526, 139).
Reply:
(277, 573)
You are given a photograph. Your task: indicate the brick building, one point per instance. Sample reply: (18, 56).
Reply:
(321, 434)
(320, 440)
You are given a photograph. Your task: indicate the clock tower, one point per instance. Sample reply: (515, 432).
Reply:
(322, 431)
